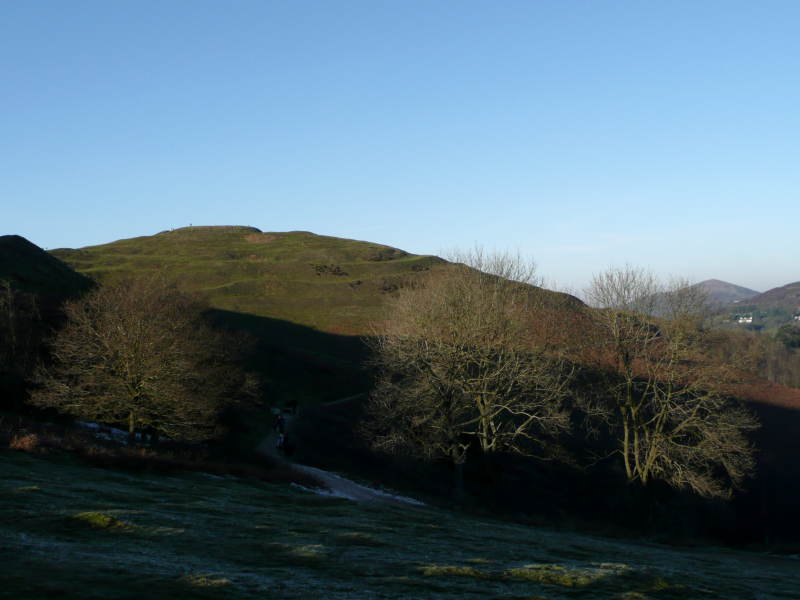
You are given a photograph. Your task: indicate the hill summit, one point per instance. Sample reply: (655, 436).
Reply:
(722, 292)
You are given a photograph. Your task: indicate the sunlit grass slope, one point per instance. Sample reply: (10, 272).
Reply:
(69, 530)
(333, 284)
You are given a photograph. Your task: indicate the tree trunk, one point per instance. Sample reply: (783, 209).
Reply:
(131, 427)
(626, 445)
(458, 477)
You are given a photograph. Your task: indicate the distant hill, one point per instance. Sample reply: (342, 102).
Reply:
(722, 292)
(769, 311)
(31, 269)
(786, 297)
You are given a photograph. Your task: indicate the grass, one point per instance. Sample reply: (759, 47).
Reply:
(72, 530)
(331, 284)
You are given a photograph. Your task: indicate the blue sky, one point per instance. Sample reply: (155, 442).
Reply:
(586, 134)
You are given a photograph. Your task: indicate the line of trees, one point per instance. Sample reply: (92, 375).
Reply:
(774, 358)
(473, 360)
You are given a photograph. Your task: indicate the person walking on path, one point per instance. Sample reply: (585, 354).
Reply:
(279, 425)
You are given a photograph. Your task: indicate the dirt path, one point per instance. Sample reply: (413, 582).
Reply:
(336, 484)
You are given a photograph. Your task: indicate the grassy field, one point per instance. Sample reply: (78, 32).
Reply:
(74, 531)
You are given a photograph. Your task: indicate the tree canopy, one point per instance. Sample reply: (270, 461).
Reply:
(460, 367)
(666, 398)
(140, 352)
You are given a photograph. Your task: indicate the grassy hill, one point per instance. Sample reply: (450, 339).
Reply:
(74, 531)
(329, 284)
(307, 298)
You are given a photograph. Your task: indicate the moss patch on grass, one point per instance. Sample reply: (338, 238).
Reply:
(357, 538)
(314, 551)
(200, 580)
(453, 570)
(556, 575)
(479, 561)
(306, 555)
(27, 488)
(99, 520)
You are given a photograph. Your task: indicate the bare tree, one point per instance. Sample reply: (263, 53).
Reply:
(460, 365)
(140, 352)
(675, 422)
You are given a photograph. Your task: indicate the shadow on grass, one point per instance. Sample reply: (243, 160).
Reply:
(300, 364)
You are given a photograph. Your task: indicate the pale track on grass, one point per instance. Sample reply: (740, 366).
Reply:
(336, 484)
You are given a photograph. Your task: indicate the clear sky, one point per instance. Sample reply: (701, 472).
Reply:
(583, 133)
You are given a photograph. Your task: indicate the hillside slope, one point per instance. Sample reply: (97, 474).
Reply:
(31, 269)
(786, 297)
(330, 284)
(722, 292)
(307, 298)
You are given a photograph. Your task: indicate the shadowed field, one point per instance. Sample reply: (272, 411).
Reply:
(77, 531)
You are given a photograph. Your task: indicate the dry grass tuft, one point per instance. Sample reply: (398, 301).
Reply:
(25, 442)
(260, 238)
